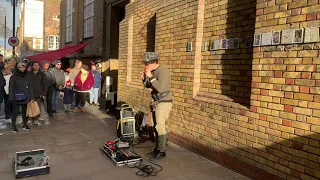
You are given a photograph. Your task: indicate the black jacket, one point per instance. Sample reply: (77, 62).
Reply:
(39, 83)
(21, 82)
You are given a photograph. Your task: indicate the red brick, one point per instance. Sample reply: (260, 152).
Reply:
(304, 89)
(278, 74)
(311, 16)
(263, 117)
(260, 12)
(278, 61)
(253, 109)
(288, 95)
(306, 75)
(288, 108)
(286, 122)
(264, 92)
(289, 81)
(296, 11)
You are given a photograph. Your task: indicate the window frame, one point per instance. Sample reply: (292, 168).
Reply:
(88, 19)
(69, 10)
(55, 42)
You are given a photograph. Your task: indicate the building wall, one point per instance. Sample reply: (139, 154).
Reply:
(51, 24)
(50, 27)
(255, 110)
(95, 48)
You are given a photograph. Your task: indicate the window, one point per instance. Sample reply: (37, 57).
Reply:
(53, 42)
(88, 18)
(69, 21)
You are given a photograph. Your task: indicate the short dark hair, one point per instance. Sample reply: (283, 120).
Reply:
(35, 62)
(1, 55)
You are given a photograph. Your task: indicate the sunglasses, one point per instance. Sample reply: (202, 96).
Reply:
(59, 64)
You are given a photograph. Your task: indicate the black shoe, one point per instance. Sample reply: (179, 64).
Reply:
(54, 111)
(26, 128)
(14, 129)
(160, 155)
(67, 112)
(153, 153)
(50, 115)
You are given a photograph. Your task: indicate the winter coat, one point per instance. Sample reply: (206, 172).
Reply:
(59, 77)
(68, 95)
(39, 85)
(50, 77)
(2, 85)
(97, 78)
(86, 85)
(20, 82)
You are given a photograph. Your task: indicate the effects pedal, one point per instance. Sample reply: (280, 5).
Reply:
(121, 144)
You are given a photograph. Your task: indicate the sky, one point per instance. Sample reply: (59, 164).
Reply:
(7, 5)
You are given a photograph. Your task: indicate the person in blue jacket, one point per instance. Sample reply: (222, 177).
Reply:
(97, 83)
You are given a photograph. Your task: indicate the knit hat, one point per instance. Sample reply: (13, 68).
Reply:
(68, 83)
(45, 62)
(21, 64)
(57, 62)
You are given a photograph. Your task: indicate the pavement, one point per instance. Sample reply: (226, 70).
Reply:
(72, 141)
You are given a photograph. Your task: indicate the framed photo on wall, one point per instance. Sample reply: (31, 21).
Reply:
(257, 40)
(248, 42)
(298, 36)
(266, 39)
(287, 36)
(276, 35)
(311, 34)
(217, 44)
(189, 46)
(211, 45)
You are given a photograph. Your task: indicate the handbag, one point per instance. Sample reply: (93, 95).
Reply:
(20, 96)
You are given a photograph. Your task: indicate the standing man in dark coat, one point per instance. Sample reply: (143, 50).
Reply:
(39, 87)
(50, 86)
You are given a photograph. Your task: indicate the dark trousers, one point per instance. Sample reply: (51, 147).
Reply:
(7, 107)
(49, 100)
(15, 111)
(81, 98)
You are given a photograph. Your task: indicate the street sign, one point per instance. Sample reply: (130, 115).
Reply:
(13, 41)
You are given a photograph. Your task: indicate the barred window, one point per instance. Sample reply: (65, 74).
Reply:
(53, 42)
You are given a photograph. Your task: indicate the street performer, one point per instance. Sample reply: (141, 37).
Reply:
(157, 77)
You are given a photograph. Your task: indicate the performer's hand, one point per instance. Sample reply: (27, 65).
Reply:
(142, 75)
(148, 74)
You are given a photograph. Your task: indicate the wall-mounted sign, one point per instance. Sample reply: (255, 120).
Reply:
(37, 43)
(13, 41)
(33, 19)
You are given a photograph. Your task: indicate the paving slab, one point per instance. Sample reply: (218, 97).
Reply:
(73, 140)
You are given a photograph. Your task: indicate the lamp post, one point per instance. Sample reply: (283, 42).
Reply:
(5, 31)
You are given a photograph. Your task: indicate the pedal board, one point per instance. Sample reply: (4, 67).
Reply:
(121, 156)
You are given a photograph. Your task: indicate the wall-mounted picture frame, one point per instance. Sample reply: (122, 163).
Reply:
(204, 46)
(217, 44)
(266, 39)
(224, 43)
(257, 40)
(189, 46)
(211, 45)
(276, 37)
(232, 43)
(311, 34)
(298, 36)
(248, 41)
(287, 36)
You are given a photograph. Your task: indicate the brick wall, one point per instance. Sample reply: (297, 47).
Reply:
(95, 48)
(51, 25)
(255, 110)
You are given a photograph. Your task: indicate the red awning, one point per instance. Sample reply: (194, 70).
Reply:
(57, 54)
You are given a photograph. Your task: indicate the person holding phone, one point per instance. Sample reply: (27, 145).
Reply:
(39, 88)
